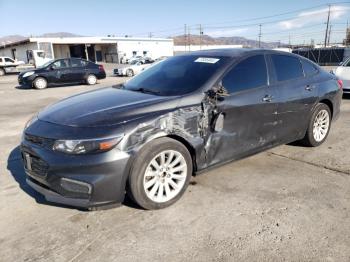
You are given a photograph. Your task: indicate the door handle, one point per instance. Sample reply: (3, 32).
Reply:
(309, 87)
(267, 98)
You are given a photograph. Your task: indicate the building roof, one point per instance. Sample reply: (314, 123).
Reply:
(85, 40)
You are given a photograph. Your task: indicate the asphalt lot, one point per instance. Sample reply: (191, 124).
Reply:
(287, 204)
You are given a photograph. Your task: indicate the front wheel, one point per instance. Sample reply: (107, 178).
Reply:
(40, 83)
(160, 174)
(319, 126)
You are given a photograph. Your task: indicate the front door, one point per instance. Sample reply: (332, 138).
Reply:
(60, 72)
(248, 110)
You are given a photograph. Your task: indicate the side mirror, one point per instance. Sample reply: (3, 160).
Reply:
(218, 92)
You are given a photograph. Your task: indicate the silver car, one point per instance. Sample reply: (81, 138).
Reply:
(343, 73)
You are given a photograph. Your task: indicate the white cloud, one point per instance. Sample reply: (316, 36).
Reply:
(320, 15)
(226, 32)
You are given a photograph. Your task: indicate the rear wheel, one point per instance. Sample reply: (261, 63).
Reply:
(160, 174)
(129, 73)
(91, 79)
(319, 126)
(2, 72)
(40, 83)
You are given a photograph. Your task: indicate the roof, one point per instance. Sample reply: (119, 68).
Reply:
(230, 52)
(85, 40)
(236, 52)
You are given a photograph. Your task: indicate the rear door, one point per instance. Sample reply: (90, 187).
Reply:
(248, 109)
(77, 70)
(296, 94)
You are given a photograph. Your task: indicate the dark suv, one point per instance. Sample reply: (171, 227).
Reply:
(175, 119)
(62, 71)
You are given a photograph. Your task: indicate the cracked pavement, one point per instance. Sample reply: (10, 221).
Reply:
(290, 203)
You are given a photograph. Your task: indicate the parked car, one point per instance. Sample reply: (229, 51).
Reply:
(8, 65)
(134, 68)
(177, 118)
(343, 73)
(62, 71)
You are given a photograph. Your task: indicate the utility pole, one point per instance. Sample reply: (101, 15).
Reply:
(289, 42)
(150, 35)
(326, 34)
(200, 36)
(185, 35)
(259, 35)
(329, 34)
(189, 38)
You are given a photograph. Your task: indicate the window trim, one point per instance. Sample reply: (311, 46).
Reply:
(241, 59)
(305, 61)
(276, 81)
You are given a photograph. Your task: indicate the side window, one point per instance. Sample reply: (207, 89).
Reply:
(309, 68)
(347, 63)
(287, 67)
(76, 63)
(60, 64)
(9, 60)
(249, 73)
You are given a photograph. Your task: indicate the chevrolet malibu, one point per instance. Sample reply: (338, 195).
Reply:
(180, 117)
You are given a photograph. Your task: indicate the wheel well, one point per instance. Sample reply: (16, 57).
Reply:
(38, 77)
(189, 148)
(329, 104)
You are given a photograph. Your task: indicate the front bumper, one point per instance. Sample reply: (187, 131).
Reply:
(25, 81)
(77, 180)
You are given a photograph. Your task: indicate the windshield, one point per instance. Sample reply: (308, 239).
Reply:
(134, 62)
(46, 64)
(177, 75)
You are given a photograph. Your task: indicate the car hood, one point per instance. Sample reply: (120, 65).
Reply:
(105, 107)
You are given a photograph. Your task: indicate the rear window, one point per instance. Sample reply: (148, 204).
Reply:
(76, 63)
(309, 68)
(287, 67)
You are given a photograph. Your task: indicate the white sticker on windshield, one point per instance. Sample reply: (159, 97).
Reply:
(208, 60)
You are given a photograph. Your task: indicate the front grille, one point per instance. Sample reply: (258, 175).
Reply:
(40, 141)
(35, 165)
(39, 166)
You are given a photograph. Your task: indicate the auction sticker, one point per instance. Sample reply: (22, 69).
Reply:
(208, 60)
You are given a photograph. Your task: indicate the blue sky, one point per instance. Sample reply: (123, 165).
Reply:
(167, 18)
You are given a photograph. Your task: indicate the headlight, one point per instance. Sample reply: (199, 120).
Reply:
(28, 74)
(86, 146)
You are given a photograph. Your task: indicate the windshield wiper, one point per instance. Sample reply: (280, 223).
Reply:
(145, 90)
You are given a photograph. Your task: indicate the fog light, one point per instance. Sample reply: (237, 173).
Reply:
(75, 186)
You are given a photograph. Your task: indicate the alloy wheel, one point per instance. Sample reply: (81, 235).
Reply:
(321, 125)
(165, 176)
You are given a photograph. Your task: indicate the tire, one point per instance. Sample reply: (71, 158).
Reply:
(91, 79)
(40, 83)
(129, 73)
(2, 72)
(319, 126)
(156, 188)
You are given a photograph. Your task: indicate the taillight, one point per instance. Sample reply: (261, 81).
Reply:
(100, 67)
(340, 84)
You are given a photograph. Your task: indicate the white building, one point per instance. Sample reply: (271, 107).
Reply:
(100, 49)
